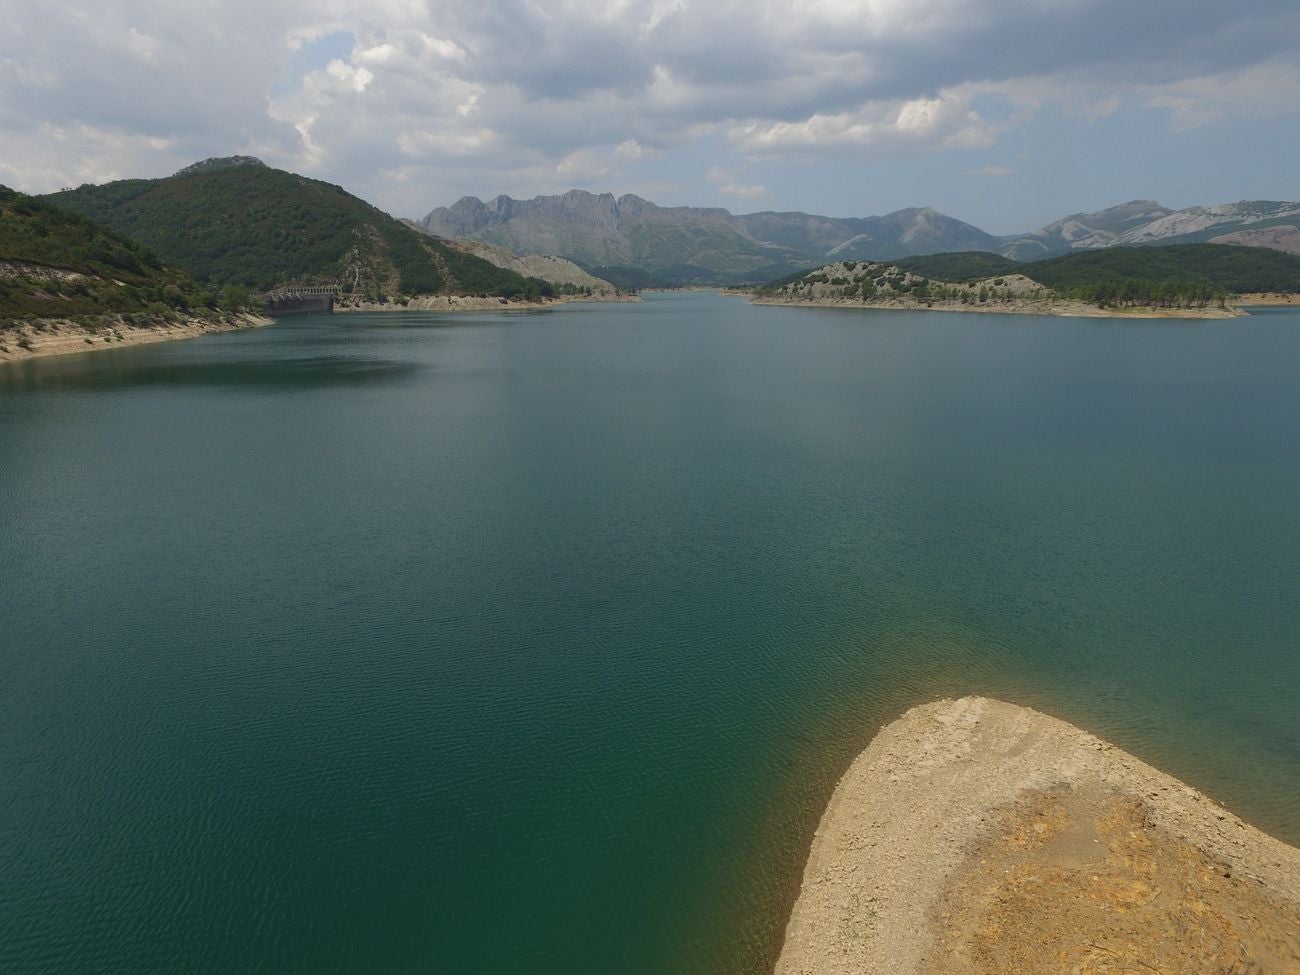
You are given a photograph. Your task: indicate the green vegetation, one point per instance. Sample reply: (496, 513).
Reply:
(1221, 267)
(58, 264)
(1176, 276)
(961, 266)
(242, 223)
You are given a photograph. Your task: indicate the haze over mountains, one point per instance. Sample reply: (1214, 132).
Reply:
(712, 245)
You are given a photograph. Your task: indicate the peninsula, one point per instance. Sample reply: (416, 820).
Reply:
(975, 836)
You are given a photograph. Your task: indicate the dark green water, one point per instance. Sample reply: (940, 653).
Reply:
(537, 643)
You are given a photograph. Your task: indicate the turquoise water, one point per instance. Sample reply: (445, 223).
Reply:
(538, 642)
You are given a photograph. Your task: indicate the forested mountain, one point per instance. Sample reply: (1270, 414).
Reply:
(57, 264)
(238, 221)
(1225, 268)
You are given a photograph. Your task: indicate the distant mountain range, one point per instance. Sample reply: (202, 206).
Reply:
(629, 236)
(1259, 223)
(694, 244)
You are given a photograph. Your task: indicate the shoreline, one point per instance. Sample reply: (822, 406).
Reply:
(1063, 309)
(56, 336)
(968, 827)
(471, 303)
(1267, 298)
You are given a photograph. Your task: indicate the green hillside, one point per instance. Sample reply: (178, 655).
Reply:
(1180, 275)
(238, 221)
(57, 264)
(961, 266)
(1224, 267)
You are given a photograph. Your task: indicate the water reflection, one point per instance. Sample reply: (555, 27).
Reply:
(107, 372)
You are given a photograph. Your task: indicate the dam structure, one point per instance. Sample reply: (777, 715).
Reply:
(301, 299)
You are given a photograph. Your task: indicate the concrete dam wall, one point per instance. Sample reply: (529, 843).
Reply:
(298, 303)
(300, 299)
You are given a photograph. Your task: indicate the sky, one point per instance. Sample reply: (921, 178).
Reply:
(1005, 113)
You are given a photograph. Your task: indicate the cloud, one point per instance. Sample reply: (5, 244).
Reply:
(522, 93)
(728, 184)
(943, 122)
(1102, 108)
(1266, 89)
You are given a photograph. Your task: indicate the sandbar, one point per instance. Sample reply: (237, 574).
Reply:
(977, 836)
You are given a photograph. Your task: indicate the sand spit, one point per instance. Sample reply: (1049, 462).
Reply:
(52, 336)
(975, 836)
(1063, 309)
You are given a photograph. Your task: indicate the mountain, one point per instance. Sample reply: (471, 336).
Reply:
(595, 230)
(1201, 224)
(57, 264)
(1083, 231)
(562, 273)
(1284, 237)
(1144, 222)
(687, 245)
(628, 238)
(237, 221)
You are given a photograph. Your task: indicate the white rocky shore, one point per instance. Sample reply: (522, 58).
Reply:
(57, 336)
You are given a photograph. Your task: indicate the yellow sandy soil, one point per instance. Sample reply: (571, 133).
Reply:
(974, 836)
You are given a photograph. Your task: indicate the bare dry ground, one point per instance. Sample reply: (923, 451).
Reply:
(974, 836)
(52, 336)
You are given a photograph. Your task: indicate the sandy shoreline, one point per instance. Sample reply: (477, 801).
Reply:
(968, 828)
(1267, 298)
(1060, 309)
(460, 303)
(61, 337)
(48, 337)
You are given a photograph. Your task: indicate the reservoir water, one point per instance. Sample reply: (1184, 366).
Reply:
(537, 642)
